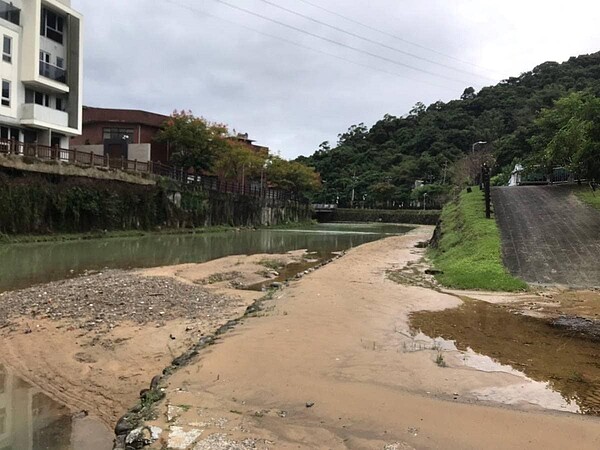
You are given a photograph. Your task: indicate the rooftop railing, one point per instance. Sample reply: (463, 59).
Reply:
(10, 13)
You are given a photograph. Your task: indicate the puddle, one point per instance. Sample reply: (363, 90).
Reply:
(557, 358)
(30, 420)
(289, 271)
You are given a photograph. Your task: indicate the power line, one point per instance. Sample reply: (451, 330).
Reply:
(372, 41)
(333, 55)
(332, 41)
(394, 36)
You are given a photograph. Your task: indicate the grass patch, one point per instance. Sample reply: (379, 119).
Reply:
(274, 264)
(469, 250)
(587, 196)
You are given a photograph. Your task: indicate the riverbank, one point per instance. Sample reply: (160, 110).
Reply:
(332, 362)
(33, 238)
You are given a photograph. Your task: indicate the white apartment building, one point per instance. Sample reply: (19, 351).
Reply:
(41, 71)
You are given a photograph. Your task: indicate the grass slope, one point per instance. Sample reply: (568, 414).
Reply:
(586, 195)
(468, 251)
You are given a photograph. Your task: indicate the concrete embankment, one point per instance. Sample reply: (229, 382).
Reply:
(37, 203)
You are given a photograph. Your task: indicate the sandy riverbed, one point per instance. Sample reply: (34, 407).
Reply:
(332, 364)
(93, 342)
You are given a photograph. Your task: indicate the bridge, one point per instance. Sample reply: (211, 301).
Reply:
(324, 207)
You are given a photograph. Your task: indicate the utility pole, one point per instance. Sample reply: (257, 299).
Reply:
(445, 169)
(353, 189)
(485, 172)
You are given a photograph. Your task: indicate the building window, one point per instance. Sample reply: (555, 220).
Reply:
(60, 62)
(52, 25)
(5, 93)
(7, 49)
(36, 97)
(56, 73)
(119, 134)
(42, 99)
(60, 104)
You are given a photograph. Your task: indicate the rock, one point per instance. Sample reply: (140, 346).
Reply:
(433, 272)
(142, 436)
(276, 285)
(123, 426)
(310, 404)
(155, 382)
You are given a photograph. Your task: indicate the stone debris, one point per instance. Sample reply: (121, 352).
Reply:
(143, 436)
(99, 301)
(180, 439)
(220, 442)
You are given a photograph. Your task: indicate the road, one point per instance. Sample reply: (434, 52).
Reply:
(548, 235)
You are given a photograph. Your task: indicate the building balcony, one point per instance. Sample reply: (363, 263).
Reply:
(10, 13)
(42, 116)
(53, 72)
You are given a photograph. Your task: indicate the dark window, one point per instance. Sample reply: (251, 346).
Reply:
(52, 25)
(119, 134)
(7, 49)
(10, 12)
(5, 93)
(42, 99)
(60, 62)
(59, 104)
(4, 132)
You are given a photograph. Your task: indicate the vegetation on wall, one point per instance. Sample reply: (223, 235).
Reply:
(33, 203)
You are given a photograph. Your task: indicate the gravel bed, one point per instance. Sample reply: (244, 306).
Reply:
(102, 300)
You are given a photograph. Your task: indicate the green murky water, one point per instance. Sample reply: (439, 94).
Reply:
(23, 265)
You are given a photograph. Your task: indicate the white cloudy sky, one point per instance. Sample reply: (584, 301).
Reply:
(202, 55)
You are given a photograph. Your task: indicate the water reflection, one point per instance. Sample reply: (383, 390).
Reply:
(30, 420)
(22, 265)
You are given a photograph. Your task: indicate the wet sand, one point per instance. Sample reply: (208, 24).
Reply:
(331, 363)
(100, 366)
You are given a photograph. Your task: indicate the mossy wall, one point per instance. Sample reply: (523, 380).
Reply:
(34, 203)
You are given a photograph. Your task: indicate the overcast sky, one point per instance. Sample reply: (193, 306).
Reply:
(232, 67)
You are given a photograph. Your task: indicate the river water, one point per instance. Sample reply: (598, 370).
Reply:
(31, 420)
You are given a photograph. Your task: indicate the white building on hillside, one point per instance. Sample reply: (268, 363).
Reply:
(42, 71)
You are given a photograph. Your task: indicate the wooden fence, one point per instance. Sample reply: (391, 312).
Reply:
(90, 159)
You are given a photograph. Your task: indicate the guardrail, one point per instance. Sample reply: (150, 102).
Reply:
(90, 159)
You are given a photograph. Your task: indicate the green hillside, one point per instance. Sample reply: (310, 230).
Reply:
(383, 162)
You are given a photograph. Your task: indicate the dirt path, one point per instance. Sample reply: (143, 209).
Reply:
(548, 236)
(331, 364)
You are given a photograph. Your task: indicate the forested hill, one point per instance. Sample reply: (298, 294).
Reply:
(386, 159)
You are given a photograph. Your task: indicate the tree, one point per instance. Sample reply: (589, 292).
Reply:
(195, 142)
(237, 162)
(292, 176)
(568, 134)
